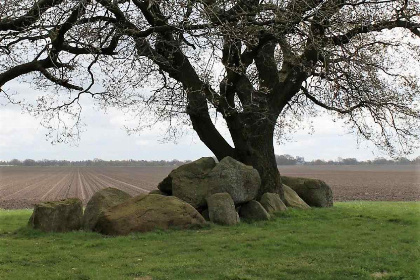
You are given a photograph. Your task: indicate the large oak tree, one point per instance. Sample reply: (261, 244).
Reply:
(261, 65)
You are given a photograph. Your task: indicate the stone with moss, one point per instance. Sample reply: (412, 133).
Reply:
(314, 192)
(272, 203)
(186, 182)
(195, 181)
(222, 209)
(57, 216)
(240, 181)
(100, 202)
(253, 211)
(292, 199)
(148, 212)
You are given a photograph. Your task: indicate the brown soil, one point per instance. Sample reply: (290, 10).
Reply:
(359, 182)
(22, 187)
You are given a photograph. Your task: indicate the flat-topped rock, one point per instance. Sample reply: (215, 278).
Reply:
(57, 216)
(148, 212)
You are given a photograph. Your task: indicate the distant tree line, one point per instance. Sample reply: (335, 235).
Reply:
(94, 162)
(290, 160)
(280, 159)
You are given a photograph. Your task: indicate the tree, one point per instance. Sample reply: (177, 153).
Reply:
(349, 161)
(285, 160)
(261, 65)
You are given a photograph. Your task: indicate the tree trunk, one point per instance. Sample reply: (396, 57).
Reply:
(254, 146)
(263, 159)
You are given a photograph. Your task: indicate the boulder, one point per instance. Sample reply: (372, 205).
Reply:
(57, 216)
(253, 211)
(101, 201)
(187, 181)
(314, 192)
(241, 181)
(166, 185)
(222, 209)
(148, 212)
(195, 181)
(272, 203)
(292, 199)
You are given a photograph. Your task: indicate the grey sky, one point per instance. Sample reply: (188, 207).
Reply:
(22, 137)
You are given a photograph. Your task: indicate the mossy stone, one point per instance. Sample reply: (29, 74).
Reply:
(292, 199)
(100, 202)
(272, 203)
(313, 191)
(148, 212)
(57, 216)
(222, 209)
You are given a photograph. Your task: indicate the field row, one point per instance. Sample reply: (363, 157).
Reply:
(21, 187)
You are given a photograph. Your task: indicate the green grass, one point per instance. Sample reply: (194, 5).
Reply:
(353, 240)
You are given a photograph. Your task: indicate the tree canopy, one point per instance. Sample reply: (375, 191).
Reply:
(262, 65)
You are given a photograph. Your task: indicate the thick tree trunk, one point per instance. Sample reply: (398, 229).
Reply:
(254, 146)
(263, 159)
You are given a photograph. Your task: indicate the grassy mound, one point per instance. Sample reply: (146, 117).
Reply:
(352, 240)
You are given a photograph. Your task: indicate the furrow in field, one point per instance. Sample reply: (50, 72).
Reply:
(16, 186)
(80, 188)
(73, 190)
(61, 191)
(55, 187)
(127, 175)
(107, 183)
(124, 183)
(92, 185)
(18, 180)
(35, 185)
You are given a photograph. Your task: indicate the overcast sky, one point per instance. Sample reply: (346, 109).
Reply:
(21, 137)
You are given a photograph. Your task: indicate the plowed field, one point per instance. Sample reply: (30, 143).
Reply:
(21, 187)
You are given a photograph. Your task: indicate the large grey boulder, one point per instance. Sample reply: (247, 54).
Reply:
(222, 210)
(146, 213)
(292, 199)
(314, 192)
(241, 181)
(100, 202)
(57, 216)
(253, 211)
(195, 181)
(272, 203)
(186, 182)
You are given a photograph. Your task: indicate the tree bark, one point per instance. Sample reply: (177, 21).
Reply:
(254, 146)
(263, 159)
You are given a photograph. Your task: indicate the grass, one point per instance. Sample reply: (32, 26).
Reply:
(352, 240)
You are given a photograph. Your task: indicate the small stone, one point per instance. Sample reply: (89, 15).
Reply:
(253, 211)
(292, 199)
(222, 209)
(272, 203)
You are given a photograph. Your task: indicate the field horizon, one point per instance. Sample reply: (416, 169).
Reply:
(22, 187)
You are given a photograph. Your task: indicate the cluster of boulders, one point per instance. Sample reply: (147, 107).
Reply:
(223, 193)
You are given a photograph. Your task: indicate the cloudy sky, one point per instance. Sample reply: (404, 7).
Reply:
(21, 137)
